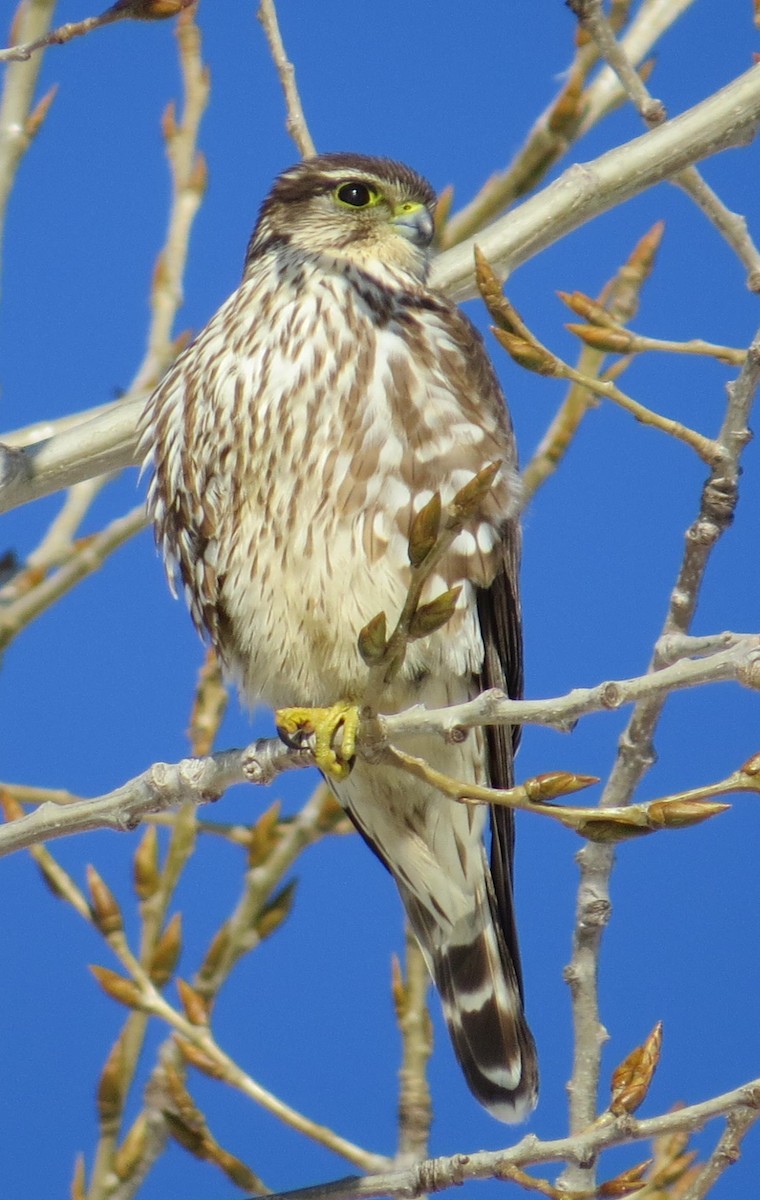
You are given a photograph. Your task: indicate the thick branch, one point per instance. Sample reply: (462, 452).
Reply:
(728, 118)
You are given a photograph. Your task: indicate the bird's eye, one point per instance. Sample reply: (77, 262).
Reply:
(356, 194)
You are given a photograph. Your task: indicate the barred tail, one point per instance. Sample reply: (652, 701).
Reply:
(478, 985)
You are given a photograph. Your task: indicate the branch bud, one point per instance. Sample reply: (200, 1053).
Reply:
(372, 640)
(433, 616)
(196, 1007)
(275, 912)
(130, 1152)
(425, 527)
(612, 341)
(145, 868)
(215, 953)
(79, 1180)
(264, 835)
(468, 499)
(110, 1092)
(195, 1056)
(626, 1184)
(126, 991)
(105, 911)
(631, 1080)
(527, 353)
(679, 814)
(166, 952)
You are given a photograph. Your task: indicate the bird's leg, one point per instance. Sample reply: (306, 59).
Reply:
(294, 724)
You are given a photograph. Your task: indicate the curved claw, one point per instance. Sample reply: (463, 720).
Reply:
(295, 724)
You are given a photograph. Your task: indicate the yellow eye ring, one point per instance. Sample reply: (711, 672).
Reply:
(355, 194)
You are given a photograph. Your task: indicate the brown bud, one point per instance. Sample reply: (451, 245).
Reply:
(12, 809)
(567, 109)
(433, 616)
(443, 208)
(591, 310)
(166, 952)
(489, 286)
(644, 253)
(188, 1136)
(169, 121)
(631, 1080)
(131, 1150)
(198, 181)
(79, 1180)
(528, 354)
(627, 1184)
(110, 1093)
(196, 1006)
(126, 991)
(468, 499)
(372, 641)
(425, 527)
(398, 988)
(679, 814)
(612, 341)
(193, 1055)
(215, 953)
(36, 118)
(264, 835)
(553, 784)
(105, 911)
(752, 765)
(181, 1100)
(276, 911)
(145, 868)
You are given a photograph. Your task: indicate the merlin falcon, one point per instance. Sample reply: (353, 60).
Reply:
(290, 446)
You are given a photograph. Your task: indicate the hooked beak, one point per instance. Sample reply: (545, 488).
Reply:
(414, 222)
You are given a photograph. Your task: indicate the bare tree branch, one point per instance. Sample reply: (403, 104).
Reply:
(296, 121)
(202, 779)
(730, 225)
(728, 118)
(636, 752)
(437, 1174)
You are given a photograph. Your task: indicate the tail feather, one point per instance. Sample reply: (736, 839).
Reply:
(479, 990)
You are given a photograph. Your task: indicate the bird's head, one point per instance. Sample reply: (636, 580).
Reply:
(367, 210)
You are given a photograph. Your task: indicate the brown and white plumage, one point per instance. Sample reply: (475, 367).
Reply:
(290, 444)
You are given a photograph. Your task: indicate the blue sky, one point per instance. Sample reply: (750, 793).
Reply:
(100, 687)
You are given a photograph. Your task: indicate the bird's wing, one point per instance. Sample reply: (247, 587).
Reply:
(501, 629)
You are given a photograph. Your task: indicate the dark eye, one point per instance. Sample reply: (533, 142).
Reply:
(356, 194)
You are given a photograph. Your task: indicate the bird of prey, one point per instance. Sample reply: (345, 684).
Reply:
(290, 445)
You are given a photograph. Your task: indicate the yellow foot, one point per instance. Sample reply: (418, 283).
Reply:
(294, 723)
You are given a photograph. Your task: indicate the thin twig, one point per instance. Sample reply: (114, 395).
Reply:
(725, 1154)
(120, 11)
(415, 1113)
(295, 122)
(87, 557)
(199, 1036)
(620, 300)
